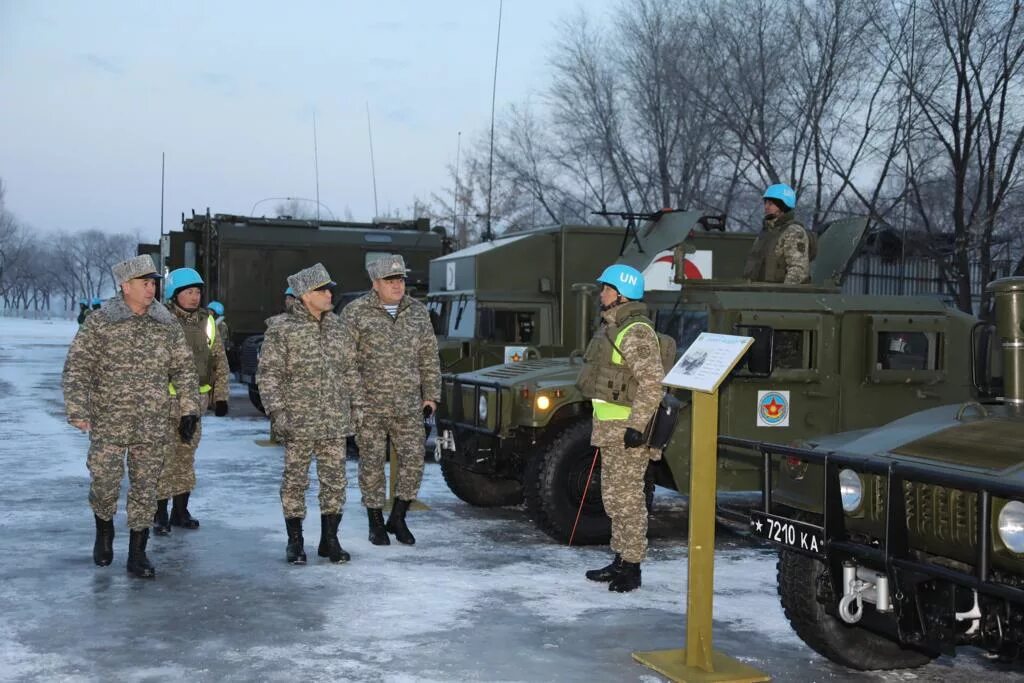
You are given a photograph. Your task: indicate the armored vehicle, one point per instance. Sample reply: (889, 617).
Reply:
(511, 298)
(245, 262)
(821, 363)
(900, 543)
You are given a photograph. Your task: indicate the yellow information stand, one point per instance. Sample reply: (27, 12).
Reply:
(702, 369)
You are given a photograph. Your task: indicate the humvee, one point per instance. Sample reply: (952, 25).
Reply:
(511, 298)
(901, 543)
(821, 363)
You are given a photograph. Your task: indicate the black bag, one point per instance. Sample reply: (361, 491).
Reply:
(659, 430)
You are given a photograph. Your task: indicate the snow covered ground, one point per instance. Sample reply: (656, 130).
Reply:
(482, 596)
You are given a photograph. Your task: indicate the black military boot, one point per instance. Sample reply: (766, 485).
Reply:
(295, 552)
(138, 563)
(378, 534)
(161, 522)
(330, 547)
(396, 522)
(606, 574)
(628, 578)
(103, 548)
(179, 512)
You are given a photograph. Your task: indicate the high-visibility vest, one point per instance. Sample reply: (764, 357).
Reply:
(211, 337)
(606, 410)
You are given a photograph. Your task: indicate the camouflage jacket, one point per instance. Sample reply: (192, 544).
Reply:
(782, 252)
(301, 376)
(118, 369)
(395, 363)
(640, 352)
(210, 360)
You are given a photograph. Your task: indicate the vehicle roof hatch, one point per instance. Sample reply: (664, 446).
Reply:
(663, 231)
(838, 245)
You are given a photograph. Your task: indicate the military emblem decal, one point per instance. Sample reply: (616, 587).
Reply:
(773, 409)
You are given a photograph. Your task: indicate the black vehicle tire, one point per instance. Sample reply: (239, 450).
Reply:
(853, 647)
(554, 481)
(479, 489)
(254, 397)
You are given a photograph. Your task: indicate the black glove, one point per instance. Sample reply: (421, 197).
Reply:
(187, 427)
(427, 412)
(221, 409)
(633, 438)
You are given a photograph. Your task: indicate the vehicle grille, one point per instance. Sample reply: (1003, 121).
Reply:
(934, 513)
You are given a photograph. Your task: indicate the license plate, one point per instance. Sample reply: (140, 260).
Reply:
(788, 532)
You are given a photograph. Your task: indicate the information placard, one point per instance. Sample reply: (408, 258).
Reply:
(708, 361)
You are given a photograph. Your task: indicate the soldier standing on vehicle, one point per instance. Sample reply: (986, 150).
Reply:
(784, 249)
(115, 389)
(301, 384)
(184, 291)
(622, 377)
(394, 348)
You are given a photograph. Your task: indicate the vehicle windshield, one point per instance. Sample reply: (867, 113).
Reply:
(682, 324)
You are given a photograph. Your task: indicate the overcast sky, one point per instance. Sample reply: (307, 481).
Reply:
(93, 92)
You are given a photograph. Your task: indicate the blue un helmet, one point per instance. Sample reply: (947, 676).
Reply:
(627, 281)
(217, 307)
(783, 193)
(97, 302)
(289, 292)
(179, 279)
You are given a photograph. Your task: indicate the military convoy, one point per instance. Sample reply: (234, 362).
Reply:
(900, 543)
(822, 362)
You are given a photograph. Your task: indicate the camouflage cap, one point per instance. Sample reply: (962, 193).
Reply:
(309, 279)
(140, 266)
(386, 266)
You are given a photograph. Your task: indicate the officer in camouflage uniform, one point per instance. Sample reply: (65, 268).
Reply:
(184, 290)
(301, 383)
(622, 376)
(784, 250)
(115, 389)
(394, 347)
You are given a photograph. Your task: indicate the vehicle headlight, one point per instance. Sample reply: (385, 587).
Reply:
(481, 408)
(850, 490)
(1011, 526)
(543, 403)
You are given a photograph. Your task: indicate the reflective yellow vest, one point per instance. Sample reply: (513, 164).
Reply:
(606, 410)
(211, 337)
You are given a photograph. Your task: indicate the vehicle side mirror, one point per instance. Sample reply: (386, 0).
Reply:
(986, 361)
(760, 359)
(487, 323)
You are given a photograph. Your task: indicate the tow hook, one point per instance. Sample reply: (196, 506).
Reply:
(973, 615)
(862, 585)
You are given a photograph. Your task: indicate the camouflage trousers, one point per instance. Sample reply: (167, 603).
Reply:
(330, 470)
(407, 445)
(622, 490)
(179, 475)
(106, 468)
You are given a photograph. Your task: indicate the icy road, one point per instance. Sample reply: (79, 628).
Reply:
(482, 596)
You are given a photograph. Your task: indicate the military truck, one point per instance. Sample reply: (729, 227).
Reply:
(245, 261)
(821, 363)
(511, 298)
(901, 543)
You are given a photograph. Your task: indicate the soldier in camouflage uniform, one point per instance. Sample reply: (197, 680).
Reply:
(393, 346)
(622, 376)
(184, 289)
(115, 389)
(784, 250)
(301, 383)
